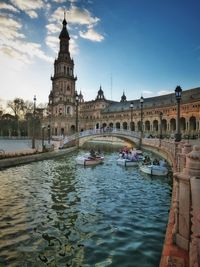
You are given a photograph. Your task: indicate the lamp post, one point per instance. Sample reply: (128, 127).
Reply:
(131, 107)
(43, 138)
(178, 92)
(161, 116)
(141, 125)
(33, 133)
(49, 125)
(77, 102)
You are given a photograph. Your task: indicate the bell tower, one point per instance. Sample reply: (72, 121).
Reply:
(62, 95)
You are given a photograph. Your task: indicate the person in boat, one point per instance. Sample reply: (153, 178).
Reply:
(163, 163)
(99, 152)
(155, 162)
(92, 154)
(134, 157)
(147, 160)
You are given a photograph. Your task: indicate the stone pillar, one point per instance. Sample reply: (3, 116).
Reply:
(192, 169)
(194, 254)
(179, 155)
(186, 148)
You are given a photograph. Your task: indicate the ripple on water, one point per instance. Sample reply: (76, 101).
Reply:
(58, 214)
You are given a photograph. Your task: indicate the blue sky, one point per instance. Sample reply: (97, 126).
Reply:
(140, 47)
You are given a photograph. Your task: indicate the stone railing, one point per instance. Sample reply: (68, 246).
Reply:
(169, 147)
(134, 136)
(186, 202)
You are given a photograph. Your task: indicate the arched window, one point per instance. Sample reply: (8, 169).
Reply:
(172, 125)
(192, 123)
(111, 125)
(155, 125)
(125, 126)
(117, 125)
(182, 124)
(147, 126)
(132, 126)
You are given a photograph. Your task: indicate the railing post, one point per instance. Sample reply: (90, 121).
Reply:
(192, 169)
(194, 255)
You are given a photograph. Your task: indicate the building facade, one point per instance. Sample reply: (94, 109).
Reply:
(68, 110)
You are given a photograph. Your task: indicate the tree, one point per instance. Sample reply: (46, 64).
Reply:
(17, 107)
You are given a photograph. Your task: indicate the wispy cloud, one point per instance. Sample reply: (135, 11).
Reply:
(14, 45)
(164, 92)
(92, 35)
(52, 28)
(29, 7)
(52, 42)
(75, 15)
(59, 1)
(148, 93)
(8, 7)
(77, 19)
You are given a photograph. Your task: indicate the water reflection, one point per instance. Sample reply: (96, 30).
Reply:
(54, 213)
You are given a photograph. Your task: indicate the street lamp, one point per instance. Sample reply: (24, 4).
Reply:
(77, 102)
(161, 116)
(131, 107)
(49, 125)
(43, 138)
(141, 125)
(33, 134)
(178, 92)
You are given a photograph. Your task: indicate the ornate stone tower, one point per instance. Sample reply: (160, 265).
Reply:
(62, 95)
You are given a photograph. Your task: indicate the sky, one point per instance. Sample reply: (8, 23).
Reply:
(139, 47)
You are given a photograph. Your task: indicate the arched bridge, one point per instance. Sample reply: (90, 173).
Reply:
(167, 148)
(87, 135)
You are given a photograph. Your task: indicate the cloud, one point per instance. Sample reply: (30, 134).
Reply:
(147, 93)
(28, 7)
(8, 7)
(73, 47)
(90, 34)
(59, 1)
(164, 92)
(81, 16)
(77, 18)
(75, 15)
(53, 43)
(53, 28)
(9, 29)
(32, 14)
(14, 45)
(25, 52)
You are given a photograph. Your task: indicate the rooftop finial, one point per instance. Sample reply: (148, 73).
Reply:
(64, 14)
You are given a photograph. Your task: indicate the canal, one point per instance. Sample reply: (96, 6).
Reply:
(55, 213)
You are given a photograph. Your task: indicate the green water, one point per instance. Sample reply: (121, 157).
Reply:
(55, 213)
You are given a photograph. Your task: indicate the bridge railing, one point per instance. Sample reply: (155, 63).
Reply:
(93, 132)
(186, 204)
(169, 146)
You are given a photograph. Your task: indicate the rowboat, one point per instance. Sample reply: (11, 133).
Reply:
(154, 170)
(126, 162)
(89, 161)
